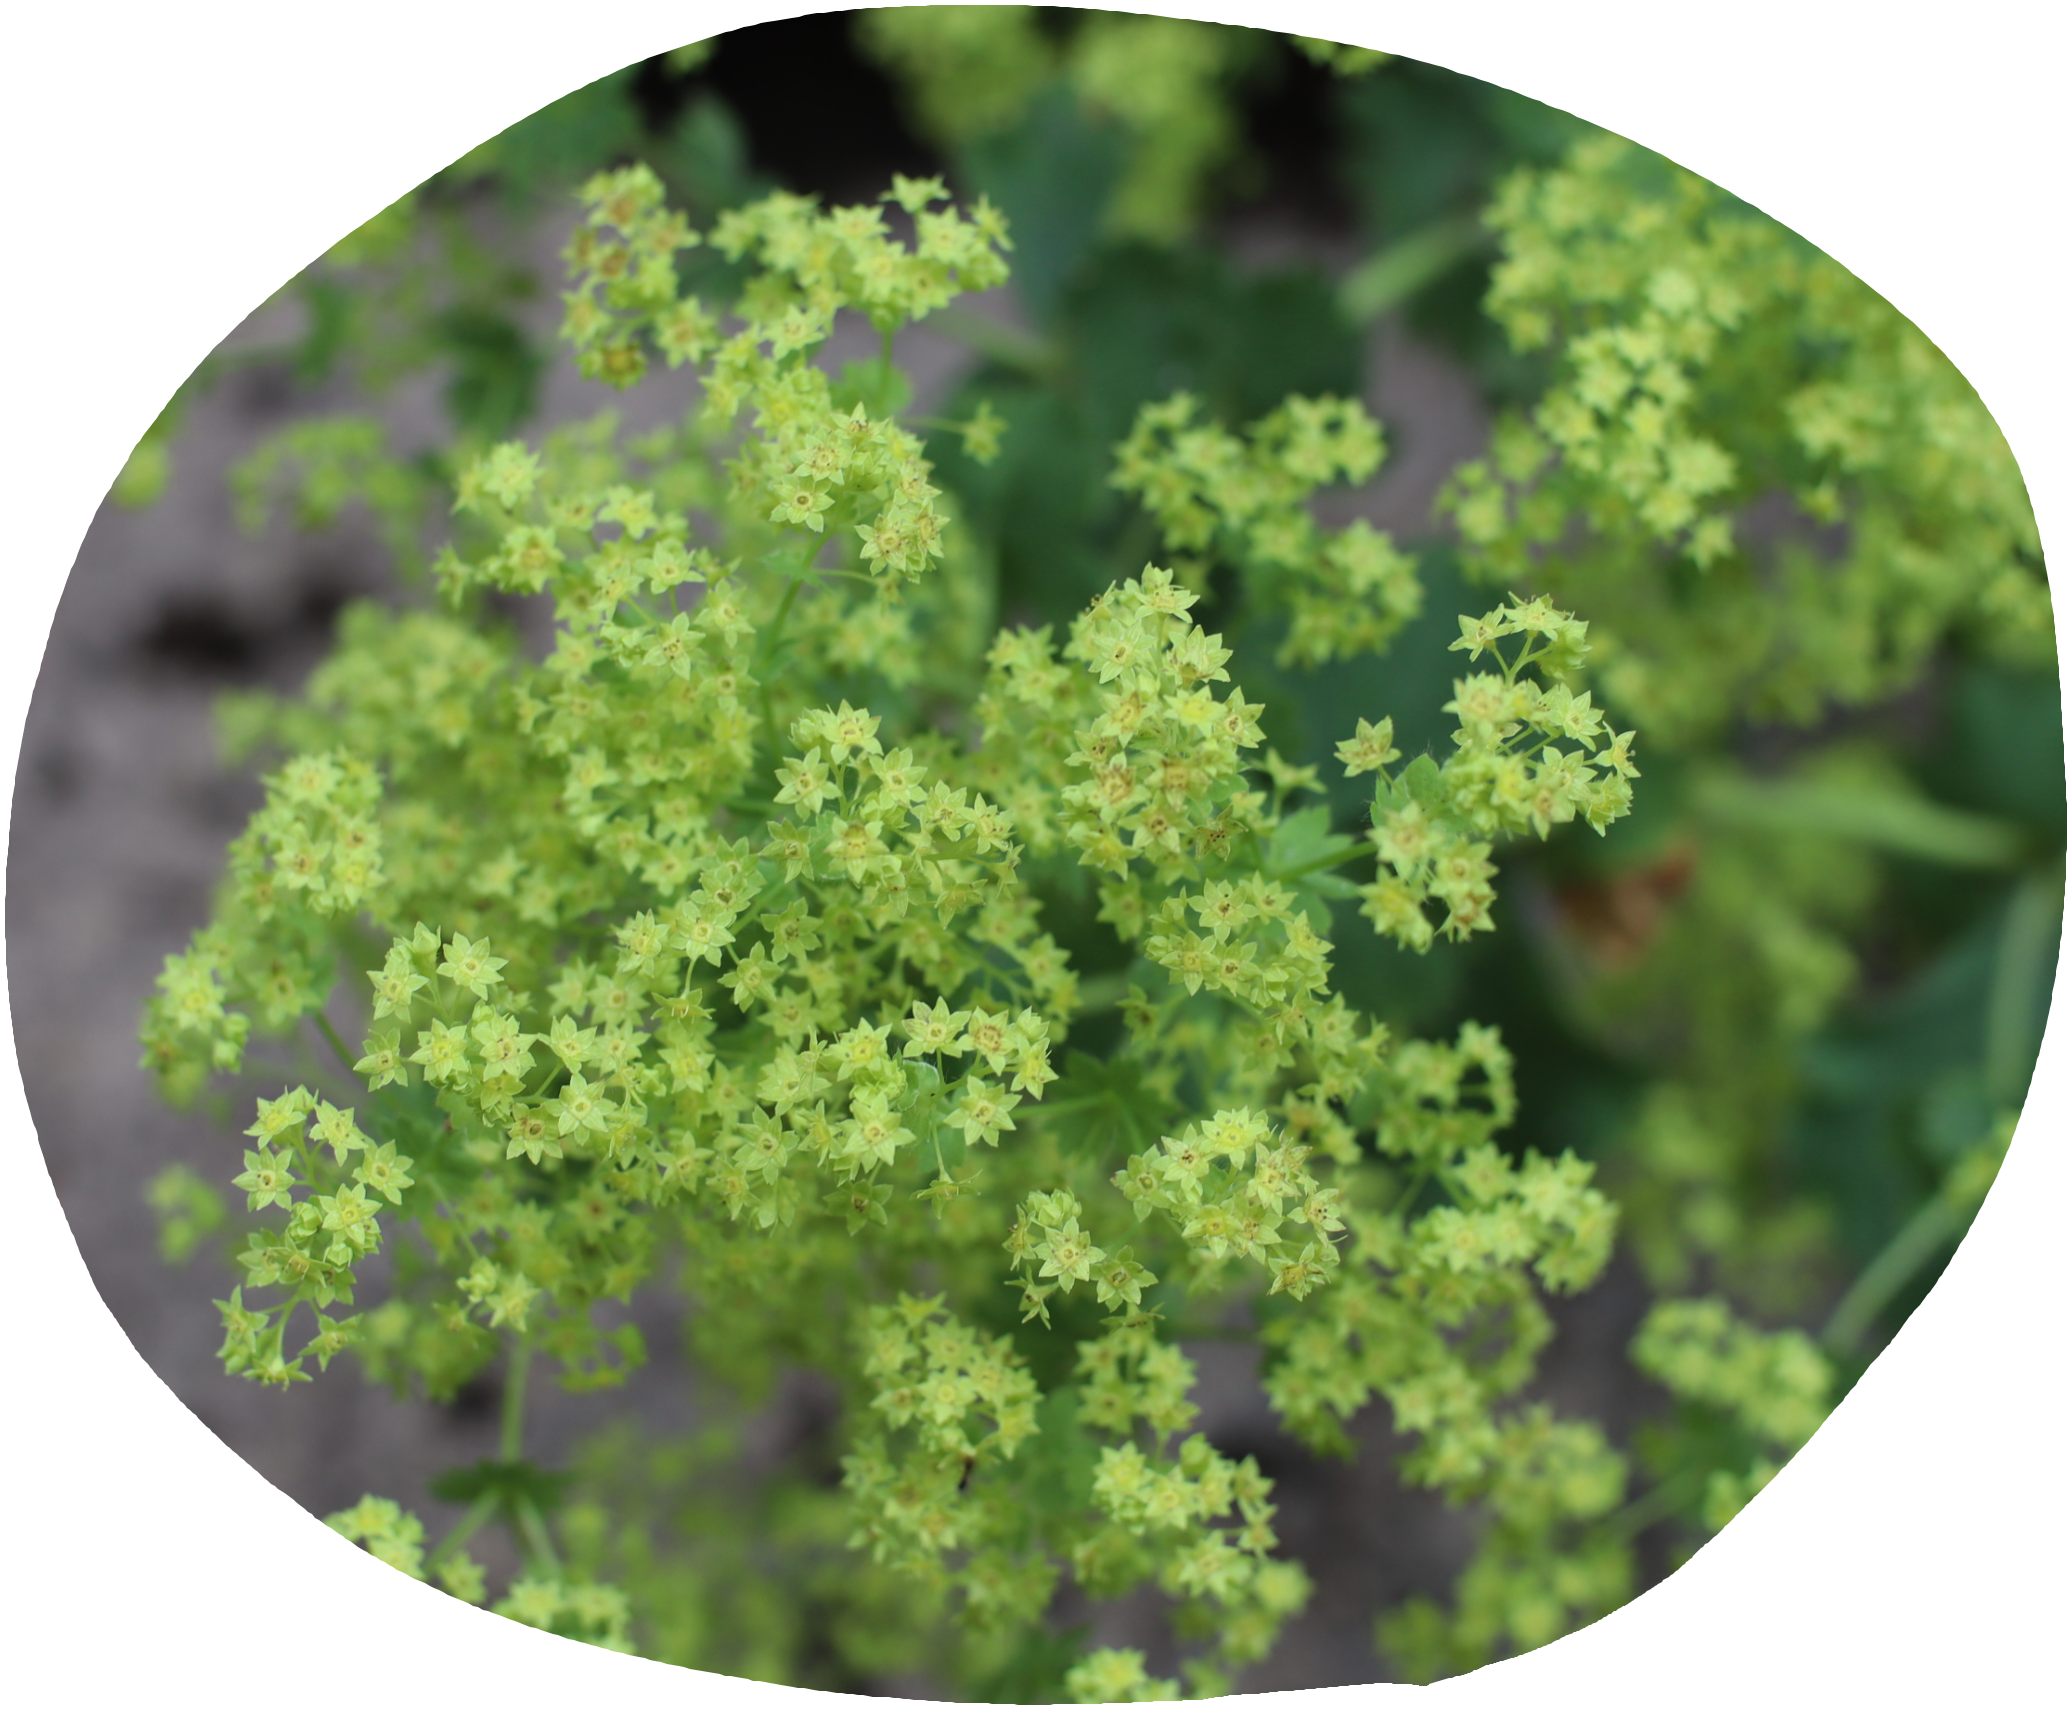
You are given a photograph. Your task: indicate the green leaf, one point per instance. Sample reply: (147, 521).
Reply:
(704, 156)
(578, 134)
(1418, 782)
(1303, 851)
(1111, 1108)
(1883, 818)
(330, 305)
(510, 1482)
(496, 370)
(1304, 843)
(1051, 175)
(1034, 1672)
(1057, 1475)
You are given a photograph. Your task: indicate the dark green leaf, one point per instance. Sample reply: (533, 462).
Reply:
(1051, 175)
(1304, 842)
(496, 371)
(881, 388)
(1106, 1108)
(511, 1482)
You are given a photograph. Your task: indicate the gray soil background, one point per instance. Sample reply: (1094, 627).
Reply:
(122, 811)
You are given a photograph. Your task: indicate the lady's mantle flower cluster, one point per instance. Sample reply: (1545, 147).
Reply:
(1245, 496)
(1708, 361)
(1528, 757)
(809, 460)
(714, 937)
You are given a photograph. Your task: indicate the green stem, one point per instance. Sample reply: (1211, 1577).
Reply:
(478, 1515)
(766, 651)
(1652, 1505)
(1416, 1187)
(1405, 267)
(511, 1444)
(1924, 1235)
(337, 1044)
(532, 1533)
(1002, 344)
(2014, 1021)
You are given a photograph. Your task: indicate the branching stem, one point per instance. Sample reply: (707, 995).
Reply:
(480, 1512)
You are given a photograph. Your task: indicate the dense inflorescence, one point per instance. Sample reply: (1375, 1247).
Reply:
(1710, 359)
(716, 942)
(709, 948)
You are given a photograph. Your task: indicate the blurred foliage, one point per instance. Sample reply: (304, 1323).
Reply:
(189, 1209)
(1747, 458)
(1421, 150)
(1160, 88)
(437, 283)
